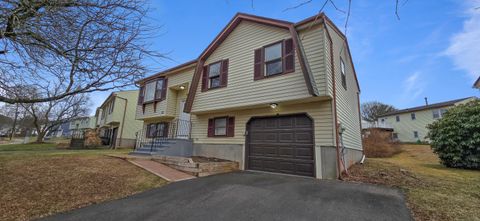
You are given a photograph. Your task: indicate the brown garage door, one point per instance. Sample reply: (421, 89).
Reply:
(282, 144)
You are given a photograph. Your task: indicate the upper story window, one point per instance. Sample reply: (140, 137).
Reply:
(155, 90)
(397, 118)
(221, 127)
(413, 116)
(274, 59)
(342, 72)
(215, 75)
(438, 113)
(150, 91)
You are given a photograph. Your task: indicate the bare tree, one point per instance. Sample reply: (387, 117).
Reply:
(347, 12)
(372, 110)
(48, 115)
(68, 47)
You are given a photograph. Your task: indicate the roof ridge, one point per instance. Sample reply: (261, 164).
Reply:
(424, 107)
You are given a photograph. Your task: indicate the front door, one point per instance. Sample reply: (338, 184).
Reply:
(183, 124)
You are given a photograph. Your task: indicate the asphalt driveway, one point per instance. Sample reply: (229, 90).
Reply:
(252, 196)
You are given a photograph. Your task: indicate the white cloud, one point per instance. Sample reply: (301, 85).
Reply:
(413, 86)
(464, 48)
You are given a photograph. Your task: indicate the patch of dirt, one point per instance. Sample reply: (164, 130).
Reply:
(201, 159)
(33, 187)
(384, 173)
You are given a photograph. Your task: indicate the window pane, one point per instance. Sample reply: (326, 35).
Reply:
(214, 70)
(152, 131)
(342, 66)
(159, 84)
(160, 129)
(150, 91)
(214, 82)
(274, 68)
(221, 126)
(220, 131)
(273, 52)
(436, 114)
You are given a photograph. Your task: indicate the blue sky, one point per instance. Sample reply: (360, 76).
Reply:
(432, 51)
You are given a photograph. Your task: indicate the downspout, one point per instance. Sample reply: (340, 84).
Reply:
(123, 120)
(335, 115)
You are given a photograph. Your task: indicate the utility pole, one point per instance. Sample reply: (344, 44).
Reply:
(14, 122)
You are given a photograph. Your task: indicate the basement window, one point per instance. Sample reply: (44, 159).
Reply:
(221, 126)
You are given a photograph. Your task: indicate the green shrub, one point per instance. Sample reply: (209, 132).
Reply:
(456, 137)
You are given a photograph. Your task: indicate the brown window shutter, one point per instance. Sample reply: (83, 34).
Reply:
(205, 78)
(258, 64)
(211, 127)
(164, 89)
(231, 127)
(140, 95)
(224, 73)
(289, 55)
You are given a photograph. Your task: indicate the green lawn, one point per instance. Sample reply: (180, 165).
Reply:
(40, 180)
(433, 191)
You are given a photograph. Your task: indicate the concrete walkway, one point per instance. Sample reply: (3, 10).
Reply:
(165, 172)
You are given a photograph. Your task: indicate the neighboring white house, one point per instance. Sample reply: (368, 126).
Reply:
(410, 125)
(81, 123)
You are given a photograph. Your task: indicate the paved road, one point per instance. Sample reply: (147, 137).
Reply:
(252, 196)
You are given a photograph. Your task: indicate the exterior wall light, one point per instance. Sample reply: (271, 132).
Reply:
(182, 87)
(273, 105)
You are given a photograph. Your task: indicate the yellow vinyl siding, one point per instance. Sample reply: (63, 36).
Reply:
(241, 89)
(347, 100)
(319, 111)
(130, 124)
(168, 107)
(313, 41)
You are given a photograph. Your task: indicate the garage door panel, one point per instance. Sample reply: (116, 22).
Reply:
(281, 144)
(303, 122)
(304, 137)
(286, 136)
(270, 123)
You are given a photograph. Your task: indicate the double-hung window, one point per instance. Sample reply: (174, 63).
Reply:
(413, 116)
(221, 126)
(214, 75)
(438, 113)
(273, 59)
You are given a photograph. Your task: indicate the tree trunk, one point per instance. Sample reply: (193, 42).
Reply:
(40, 137)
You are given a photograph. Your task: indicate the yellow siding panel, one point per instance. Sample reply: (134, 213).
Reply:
(313, 41)
(319, 111)
(242, 90)
(347, 101)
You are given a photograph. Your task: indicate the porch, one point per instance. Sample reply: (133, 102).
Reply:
(165, 138)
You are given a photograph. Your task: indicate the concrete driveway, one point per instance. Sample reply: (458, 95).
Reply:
(252, 196)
